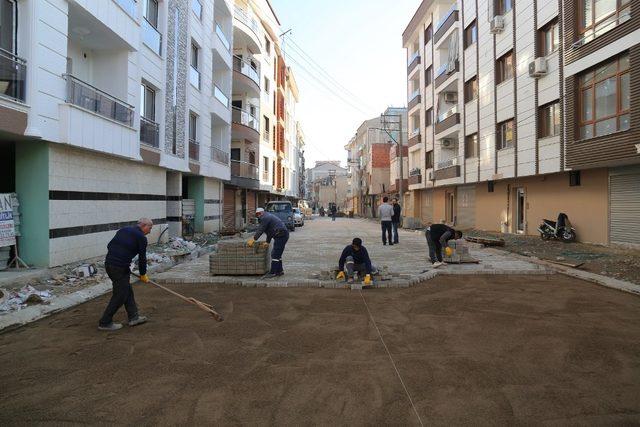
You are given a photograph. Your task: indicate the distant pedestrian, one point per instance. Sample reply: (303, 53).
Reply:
(437, 237)
(395, 220)
(126, 244)
(385, 212)
(334, 210)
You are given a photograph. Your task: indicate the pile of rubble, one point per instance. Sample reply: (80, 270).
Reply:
(27, 295)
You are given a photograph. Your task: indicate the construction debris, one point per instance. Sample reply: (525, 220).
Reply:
(16, 300)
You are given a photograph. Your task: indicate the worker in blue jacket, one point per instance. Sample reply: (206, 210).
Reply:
(273, 228)
(355, 259)
(122, 249)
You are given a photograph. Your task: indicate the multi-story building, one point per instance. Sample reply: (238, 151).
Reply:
(113, 110)
(322, 172)
(521, 110)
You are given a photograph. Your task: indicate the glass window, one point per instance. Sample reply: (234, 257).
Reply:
(8, 25)
(471, 146)
(193, 127)
(194, 56)
(196, 6)
(549, 120)
(428, 34)
(147, 102)
(504, 135)
(470, 34)
(504, 67)
(428, 118)
(429, 159)
(471, 89)
(502, 6)
(599, 16)
(549, 38)
(428, 76)
(151, 12)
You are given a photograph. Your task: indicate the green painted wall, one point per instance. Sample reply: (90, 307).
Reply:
(32, 186)
(196, 192)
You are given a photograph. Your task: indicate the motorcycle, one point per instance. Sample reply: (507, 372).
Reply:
(560, 229)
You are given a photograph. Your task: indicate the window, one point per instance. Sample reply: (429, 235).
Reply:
(470, 34)
(151, 12)
(147, 102)
(504, 135)
(490, 186)
(471, 146)
(471, 89)
(196, 6)
(605, 99)
(8, 26)
(428, 76)
(193, 127)
(428, 34)
(428, 117)
(267, 45)
(549, 120)
(596, 17)
(235, 154)
(194, 56)
(504, 67)
(549, 38)
(265, 162)
(574, 178)
(502, 6)
(267, 85)
(429, 159)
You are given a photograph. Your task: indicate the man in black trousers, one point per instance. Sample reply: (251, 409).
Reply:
(126, 244)
(395, 220)
(437, 237)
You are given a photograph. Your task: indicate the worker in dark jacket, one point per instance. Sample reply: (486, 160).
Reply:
(355, 259)
(437, 237)
(126, 244)
(274, 229)
(395, 220)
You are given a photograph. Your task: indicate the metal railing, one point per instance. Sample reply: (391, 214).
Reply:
(413, 95)
(447, 163)
(243, 16)
(441, 70)
(244, 169)
(149, 132)
(447, 114)
(446, 16)
(151, 37)
(244, 67)
(415, 171)
(220, 96)
(93, 99)
(413, 57)
(266, 135)
(265, 175)
(219, 156)
(129, 6)
(223, 38)
(194, 77)
(194, 149)
(13, 76)
(243, 117)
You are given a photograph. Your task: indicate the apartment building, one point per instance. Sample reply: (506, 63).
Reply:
(109, 111)
(323, 172)
(521, 110)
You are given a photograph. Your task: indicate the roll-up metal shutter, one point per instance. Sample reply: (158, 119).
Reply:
(466, 209)
(229, 209)
(624, 205)
(426, 206)
(251, 205)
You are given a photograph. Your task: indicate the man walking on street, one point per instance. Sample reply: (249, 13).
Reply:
(395, 220)
(274, 229)
(437, 237)
(334, 210)
(385, 212)
(126, 244)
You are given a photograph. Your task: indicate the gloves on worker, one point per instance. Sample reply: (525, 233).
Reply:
(367, 279)
(340, 275)
(250, 242)
(144, 278)
(264, 245)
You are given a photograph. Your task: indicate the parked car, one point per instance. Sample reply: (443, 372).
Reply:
(298, 217)
(284, 211)
(305, 209)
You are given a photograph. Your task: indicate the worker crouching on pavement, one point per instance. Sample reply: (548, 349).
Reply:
(355, 259)
(125, 245)
(274, 229)
(437, 237)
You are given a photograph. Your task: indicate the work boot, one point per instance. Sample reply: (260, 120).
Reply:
(437, 264)
(110, 327)
(138, 320)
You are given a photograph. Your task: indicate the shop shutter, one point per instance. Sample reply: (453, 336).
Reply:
(466, 209)
(229, 209)
(624, 206)
(426, 207)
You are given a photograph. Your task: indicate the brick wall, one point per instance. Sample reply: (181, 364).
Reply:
(380, 155)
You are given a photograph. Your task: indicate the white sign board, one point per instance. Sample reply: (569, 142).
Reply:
(7, 229)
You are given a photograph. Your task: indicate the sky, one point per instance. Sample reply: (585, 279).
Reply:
(359, 44)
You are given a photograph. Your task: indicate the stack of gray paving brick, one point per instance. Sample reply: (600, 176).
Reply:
(460, 253)
(235, 258)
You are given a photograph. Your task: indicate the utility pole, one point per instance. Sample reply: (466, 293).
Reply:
(399, 144)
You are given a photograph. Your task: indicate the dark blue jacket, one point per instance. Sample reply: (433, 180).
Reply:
(270, 225)
(125, 245)
(359, 257)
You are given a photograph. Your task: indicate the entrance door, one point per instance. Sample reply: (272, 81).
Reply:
(450, 207)
(520, 211)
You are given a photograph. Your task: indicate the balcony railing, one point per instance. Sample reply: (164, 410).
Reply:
(245, 67)
(414, 94)
(243, 117)
(447, 163)
(415, 171)
(13, 75)
(413, 56)
(93, 99)
(244, 169)
(442, 117)
(265, 175)
(129, 6)
(446, 16)
(151, 37)
(441, 70)
(266, 135)
(149, 133)
(243, 16)
(219, 156)
(194, 150)
(194, 77)
(220, 96)
(223, 38)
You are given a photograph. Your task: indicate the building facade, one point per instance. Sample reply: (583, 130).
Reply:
(519, 111)
(322, 175)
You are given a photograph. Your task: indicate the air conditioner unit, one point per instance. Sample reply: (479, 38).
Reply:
(497, 24)
(538, 67)
(450, 97)
(447, 142)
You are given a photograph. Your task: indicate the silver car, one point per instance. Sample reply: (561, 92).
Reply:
(298, 217)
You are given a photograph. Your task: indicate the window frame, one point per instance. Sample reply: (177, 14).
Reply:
(194, 52)
(583, 30)
(14, 26)
(428, 76)
(428, 159)
(554, 27)
(545, 129)
(428, 117)
(592, 87)
(473, 82)
(471, 154)
(473, 26)
(502, 70)
(193, 126)
(500, 7)
(145, 90)
(502, 143)
(152, 18)
(428, 33)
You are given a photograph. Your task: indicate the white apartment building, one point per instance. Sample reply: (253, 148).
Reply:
(521, 110)
(112, 110)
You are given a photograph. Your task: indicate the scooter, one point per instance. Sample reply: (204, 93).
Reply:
(561, 229)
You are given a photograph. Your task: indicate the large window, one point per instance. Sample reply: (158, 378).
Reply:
(151, 12)
(193, 127)
(428, 117)
(8, 25)
(471, 89)
(605, 98)
(147, 102)
(549, 38)
(428, 76)
(471, 146)
(549, 120)
(470, 34)
(502, 6)
(429, 160)
(504, 135)
(599, 16)
(504, 67)
(428, 34)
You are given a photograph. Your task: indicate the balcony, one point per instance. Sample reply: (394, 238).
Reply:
(444, 72)
(265, 176)
(196, 7)
(447, 169)
(219, 156)
(415, 139)
(416, 100)
(249, 31)
(266, 135)
(220, 96)
(13, 76)
(129, 6)
(194, 150)
(447, 163)
(414, 61)
(194, 77)
(223, 38)
(151, 37)
(243, 117)
(149, 133)
(447, 120)
(415, 176)
(90, 98)
(244, 175)
(445, 23)
(246, 76)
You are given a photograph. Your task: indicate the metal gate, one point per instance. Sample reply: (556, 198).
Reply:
(466, 209)
(624, 205)
(229, 209)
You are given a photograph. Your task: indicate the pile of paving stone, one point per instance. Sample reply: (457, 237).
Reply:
(235, 258)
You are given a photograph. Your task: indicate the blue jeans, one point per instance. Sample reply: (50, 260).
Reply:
(395, 226)
(386, 231)
(279, 242)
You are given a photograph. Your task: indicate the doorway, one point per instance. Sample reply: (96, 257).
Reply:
(450, 207)
(520, 211)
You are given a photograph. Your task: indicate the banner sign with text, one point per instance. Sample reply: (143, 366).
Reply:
(7, 228)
